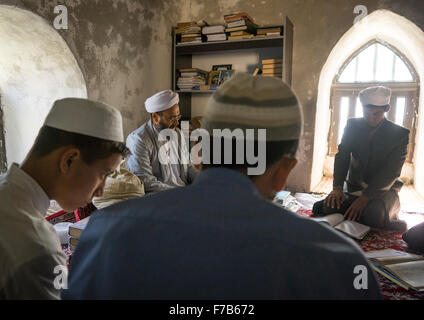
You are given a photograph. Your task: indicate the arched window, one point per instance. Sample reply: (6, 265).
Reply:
(374, 64)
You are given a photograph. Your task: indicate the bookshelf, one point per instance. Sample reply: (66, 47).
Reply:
(184, 54)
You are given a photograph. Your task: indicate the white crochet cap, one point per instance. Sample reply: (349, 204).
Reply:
(247, 101)
(87, 117)
(377, 96)
(161, 101)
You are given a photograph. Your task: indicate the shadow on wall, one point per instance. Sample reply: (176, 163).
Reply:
(388, 27)
(36, 68)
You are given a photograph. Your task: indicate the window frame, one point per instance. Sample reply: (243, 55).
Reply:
(409, 89)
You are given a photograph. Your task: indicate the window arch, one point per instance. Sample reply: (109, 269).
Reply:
(376, 63)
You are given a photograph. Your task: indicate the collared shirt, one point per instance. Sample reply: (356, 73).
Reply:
(171, 159)
(145, 163)
(214, 239)
(29, 246)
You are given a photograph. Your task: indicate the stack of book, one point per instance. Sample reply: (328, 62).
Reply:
(272, 67)
(215, 33)
(269, 32)
(240, 26)
(75, 231)
(190, 32)
(191, 79)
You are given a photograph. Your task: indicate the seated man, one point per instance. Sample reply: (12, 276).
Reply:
(156, 162)
(79, 145)
(371, 155)
(222, 237)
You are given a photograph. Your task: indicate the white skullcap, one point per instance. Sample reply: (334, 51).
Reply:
(161, 101)
(251, 102)
(377, 96)
(90, 118)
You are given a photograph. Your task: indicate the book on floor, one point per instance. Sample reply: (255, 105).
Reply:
(403, 268)
(353, 229)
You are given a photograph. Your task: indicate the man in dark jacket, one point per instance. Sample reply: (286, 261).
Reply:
(369, 159)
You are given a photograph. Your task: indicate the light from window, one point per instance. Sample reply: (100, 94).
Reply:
(401, 71)
(366, 64)
(376, 63)
(384, 63)
(358, 109)
(344, 111)
(400, 110)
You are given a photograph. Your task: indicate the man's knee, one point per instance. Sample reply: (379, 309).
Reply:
(374, 214)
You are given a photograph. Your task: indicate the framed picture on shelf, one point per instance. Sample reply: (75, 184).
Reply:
(225, 75)
(219, 67)
(214, 77)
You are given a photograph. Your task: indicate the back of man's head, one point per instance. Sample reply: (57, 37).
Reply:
(256, 111)
(253, 122)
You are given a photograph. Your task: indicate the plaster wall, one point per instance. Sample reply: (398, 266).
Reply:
(123, 47)
(36, 68)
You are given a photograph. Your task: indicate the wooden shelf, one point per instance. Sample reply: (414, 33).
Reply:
(195, 91)
(183, 53)
(207, 47)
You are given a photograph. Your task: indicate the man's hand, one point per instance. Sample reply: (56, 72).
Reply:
(356, 208)
(335, 198)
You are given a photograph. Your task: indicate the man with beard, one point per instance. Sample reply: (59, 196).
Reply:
(159, 162)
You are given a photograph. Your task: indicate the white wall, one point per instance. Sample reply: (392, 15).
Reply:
(399, 32)
(36, 68)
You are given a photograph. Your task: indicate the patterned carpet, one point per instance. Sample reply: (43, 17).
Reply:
(412, 211)
(378, 240)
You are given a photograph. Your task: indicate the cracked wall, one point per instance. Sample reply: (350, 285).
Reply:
(123, 47)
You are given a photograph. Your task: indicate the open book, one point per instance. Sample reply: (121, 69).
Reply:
(403, 268)
(351, 228)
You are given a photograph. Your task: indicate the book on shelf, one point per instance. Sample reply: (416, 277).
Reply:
(241, 23)
(199, 23)
(191, 35)
(216, 37)
(213, 29)
(250, 36)
(242, 28)
(191, 40)
(193, 72)
(272, 66)
(403, 268)
(269, 30)
(352, 228)
(237, 16)
(185, 30)
(272, 71)
(76, 229)
(272, 61)
(239, 33)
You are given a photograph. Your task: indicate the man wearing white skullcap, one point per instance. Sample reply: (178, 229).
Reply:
(370, 155)
(78, 146)
(220, 237)
(159, 163)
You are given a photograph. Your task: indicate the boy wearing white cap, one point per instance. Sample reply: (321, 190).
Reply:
(78, 146)
(368, 165)
(158, 163)
(221, 237)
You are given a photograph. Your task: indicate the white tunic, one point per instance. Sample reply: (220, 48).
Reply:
(29, 246)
